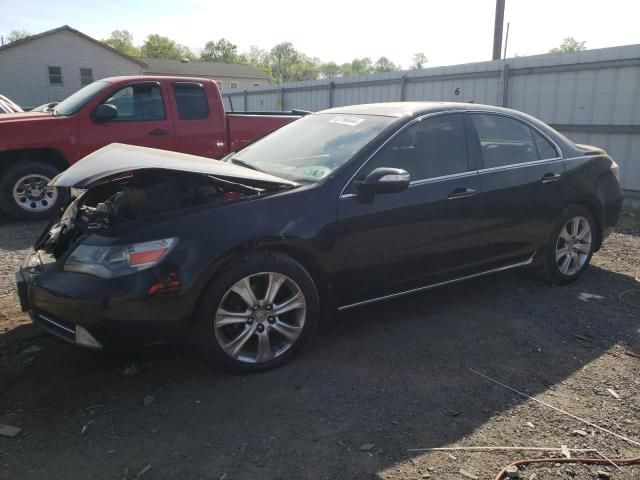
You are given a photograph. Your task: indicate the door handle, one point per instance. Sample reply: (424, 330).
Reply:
(551, 177)
(158, 132)
(461, 193)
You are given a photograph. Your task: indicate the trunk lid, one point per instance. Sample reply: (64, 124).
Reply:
(117, 158)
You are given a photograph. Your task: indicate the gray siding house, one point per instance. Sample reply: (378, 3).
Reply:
(52, 65)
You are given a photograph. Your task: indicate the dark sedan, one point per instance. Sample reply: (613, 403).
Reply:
(339, 209)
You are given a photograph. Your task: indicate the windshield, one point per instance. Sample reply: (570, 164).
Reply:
(75, 102)
(312, 147)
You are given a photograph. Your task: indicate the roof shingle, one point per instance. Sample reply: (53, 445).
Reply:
(195, 68)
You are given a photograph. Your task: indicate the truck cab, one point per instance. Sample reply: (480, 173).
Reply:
(179, 114)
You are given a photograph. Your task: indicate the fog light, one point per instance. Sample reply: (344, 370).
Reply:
(85, 339)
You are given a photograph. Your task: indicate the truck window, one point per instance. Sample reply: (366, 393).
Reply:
(138, 102)
(191, 101)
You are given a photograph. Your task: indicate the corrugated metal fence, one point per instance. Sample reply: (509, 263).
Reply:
(593, 96)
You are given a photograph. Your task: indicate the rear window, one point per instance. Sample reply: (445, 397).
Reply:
(191, 101)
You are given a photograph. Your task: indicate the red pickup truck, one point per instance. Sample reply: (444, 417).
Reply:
(172, 113)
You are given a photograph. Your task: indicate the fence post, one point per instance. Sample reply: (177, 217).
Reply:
(246, 101)
(281, 99)
(505, 85)
(403, 84)
(332, 86)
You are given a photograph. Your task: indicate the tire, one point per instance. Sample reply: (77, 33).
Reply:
(37, 202)
(245, 333)
(567, 253)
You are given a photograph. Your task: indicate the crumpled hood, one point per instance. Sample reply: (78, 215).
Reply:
(119, 158)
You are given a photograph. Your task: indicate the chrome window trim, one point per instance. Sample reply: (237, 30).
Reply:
(471, 172)
(514, 166)
(435, 285)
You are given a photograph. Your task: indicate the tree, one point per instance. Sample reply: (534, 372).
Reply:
(157, 46)
(282, 58)
(419, 60)
(220, 51)
(569, 44)
(122, 41)
(383, 64)
(15, 35)
(330, 70)
(361, 66)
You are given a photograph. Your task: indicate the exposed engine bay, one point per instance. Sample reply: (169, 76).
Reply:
(142, 195)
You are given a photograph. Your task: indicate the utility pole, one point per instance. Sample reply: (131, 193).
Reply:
(497, 32)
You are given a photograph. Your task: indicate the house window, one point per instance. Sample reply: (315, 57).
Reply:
(55, 75)
(86, 76)
(233, 84)
(220, 84)
(256, 84)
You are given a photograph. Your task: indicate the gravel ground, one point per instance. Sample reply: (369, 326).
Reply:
(375, 383)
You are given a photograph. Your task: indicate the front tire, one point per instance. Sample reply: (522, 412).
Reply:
(570, 246)
(24, 193)
(258, 313)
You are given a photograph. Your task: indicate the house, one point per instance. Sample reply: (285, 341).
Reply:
(227, 75)
(50, 66)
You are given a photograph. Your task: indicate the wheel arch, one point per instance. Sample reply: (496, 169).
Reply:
(51, 156)
(290, 248)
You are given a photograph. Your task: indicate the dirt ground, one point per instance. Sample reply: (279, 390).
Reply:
(375, 383)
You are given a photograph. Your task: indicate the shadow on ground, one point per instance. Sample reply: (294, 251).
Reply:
(395, 375)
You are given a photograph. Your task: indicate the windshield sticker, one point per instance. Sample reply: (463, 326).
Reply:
(347, 120)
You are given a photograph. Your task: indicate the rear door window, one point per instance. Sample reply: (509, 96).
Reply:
(138, 102)
(433, 147)
(191, 101)
(503, 140)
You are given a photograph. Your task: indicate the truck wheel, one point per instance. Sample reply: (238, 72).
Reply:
(258, 313)
(24, 193)
(570, 246)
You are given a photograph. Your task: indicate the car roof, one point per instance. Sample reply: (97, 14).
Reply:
(412, 109)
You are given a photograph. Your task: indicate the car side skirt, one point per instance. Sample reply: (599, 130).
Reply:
(529, 261)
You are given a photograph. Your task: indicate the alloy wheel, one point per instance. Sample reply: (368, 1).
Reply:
(260, 317)
(573, 245)
(32, 194)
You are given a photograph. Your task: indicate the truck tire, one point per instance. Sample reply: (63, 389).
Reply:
(24, 194)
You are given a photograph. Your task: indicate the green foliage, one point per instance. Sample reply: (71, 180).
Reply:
(221, 51)
(330, 70)
(383, 64)
(283, 63)
(15, 35)
(157, 46)
(419, 60)
(122, 41)
(569, 44)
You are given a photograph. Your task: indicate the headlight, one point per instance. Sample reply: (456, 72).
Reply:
(615, 169)
(116, 261)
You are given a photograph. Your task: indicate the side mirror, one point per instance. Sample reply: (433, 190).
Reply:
(384, 180)
(105, 112)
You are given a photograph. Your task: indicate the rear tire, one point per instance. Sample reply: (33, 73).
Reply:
(570, 246)
(24, 194)
(258, 313)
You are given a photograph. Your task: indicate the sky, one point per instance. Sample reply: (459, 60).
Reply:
(448, 31)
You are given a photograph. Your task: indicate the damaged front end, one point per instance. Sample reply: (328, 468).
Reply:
(124, 187)
(116, 258)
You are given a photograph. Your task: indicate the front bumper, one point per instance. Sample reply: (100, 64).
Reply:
(100, 313)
